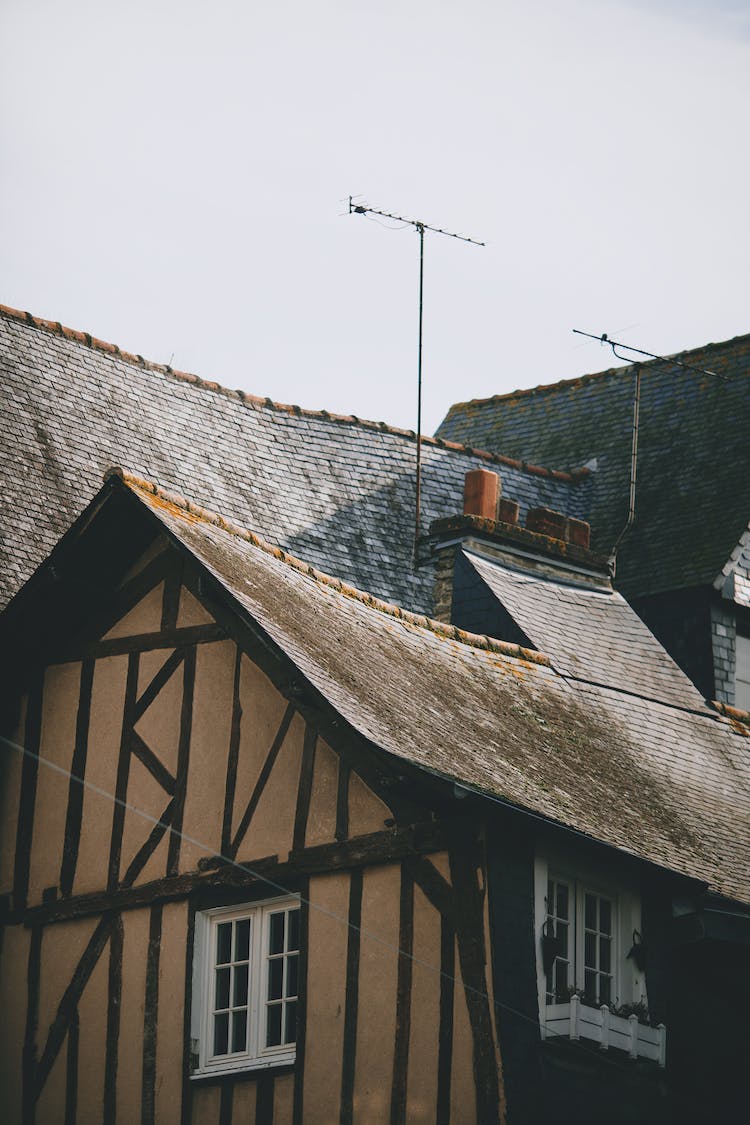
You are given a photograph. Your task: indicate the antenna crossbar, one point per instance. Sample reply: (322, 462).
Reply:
(669, 360)
(363, 209)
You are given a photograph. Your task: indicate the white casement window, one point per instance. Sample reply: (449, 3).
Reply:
(590, 957)
(246, 986)
(580, 924)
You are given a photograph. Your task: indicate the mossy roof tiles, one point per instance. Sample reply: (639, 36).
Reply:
(693, 490)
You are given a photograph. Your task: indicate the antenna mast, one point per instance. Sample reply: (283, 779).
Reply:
(420, 227)
(667, 361)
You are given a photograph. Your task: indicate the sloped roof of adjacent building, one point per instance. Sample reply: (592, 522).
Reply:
(693, 492)
(662, 783)
(589, 632)
(337, 490)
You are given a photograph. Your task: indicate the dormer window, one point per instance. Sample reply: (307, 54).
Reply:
(589, 958)
(582, 924)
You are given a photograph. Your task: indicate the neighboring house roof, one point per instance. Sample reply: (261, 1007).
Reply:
(662, 783)
(337, 490)
(734, 579)
(693, 490)
(589, 632)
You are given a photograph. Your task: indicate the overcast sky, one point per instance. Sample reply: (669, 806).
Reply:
(174, 177)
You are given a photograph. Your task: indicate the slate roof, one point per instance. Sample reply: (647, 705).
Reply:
(590, 632)
(337, 490)
(660, 782)
(693, 494)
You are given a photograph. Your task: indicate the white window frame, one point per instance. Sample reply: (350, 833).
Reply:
(628, 981)
(256, 1056)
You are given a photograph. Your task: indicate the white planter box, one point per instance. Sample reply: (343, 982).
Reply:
(576, 1020)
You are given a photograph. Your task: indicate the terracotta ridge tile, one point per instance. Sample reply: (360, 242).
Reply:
(582, 380)
(256, 402)
(739, 719)
(204, 515)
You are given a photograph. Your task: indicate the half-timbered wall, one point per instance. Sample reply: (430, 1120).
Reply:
(211, 766)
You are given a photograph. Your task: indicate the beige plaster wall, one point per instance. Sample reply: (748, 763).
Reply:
(376, 1016)
(209, 751)
(326, 996)
(321, 822)
(145, 617)
(105, 730)
(62, 684)
(367, 813)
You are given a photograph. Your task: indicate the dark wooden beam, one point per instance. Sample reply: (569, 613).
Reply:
(304, 792)
(150, 1017)
(27, 802)
(75, 787)
(183, 760)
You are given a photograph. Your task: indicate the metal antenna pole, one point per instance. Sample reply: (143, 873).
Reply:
(420, 227)
(667, 361)
(418, 498)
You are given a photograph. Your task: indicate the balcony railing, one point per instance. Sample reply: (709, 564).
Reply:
(576, 1020)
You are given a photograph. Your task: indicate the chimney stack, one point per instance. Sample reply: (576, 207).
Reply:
(482, 490)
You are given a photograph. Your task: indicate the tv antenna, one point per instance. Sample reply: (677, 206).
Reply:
(420, 227)
(666, 361)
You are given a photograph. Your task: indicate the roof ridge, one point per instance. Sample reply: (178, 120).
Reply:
(257, 402)
(205, 515)
(580, 380)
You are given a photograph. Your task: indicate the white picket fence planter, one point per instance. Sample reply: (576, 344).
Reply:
(576, 1020)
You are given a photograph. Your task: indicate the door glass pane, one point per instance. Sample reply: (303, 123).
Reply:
(562, 900)
(605, 945)
(605, 916)
(590, 912)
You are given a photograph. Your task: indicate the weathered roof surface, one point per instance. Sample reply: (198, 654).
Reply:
(664, 784)
(693, 496)
(589, 632)
(336, 490)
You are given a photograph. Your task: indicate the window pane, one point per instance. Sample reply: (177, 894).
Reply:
(293, 940)
(589, 986)
(589, 956)
(222, 988)
(562, 937)
(221, 1034)
(276, 934)
(605, 916)
(275, 978)
(273, 1025)
(562, 900)
(240, 986)
(290, 1022)
(224, 943)
(242, 940)
(292, 964)
(239, 1030)
(605, 946)
(561, 980)
(590, 912)
(605, 990)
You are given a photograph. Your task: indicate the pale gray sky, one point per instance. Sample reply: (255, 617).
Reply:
(173, 173)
